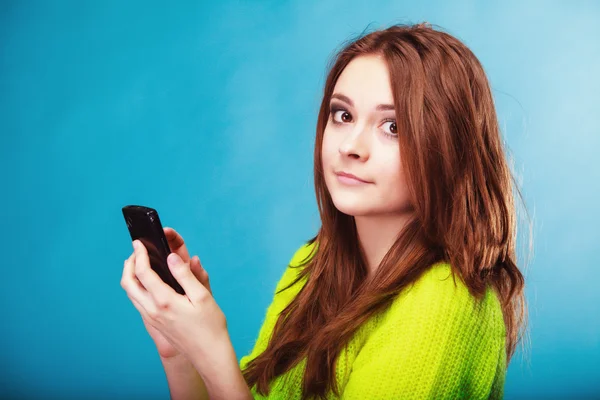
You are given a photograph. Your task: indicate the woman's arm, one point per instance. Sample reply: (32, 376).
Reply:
(184, 381)
(219, 369)
(220, 372)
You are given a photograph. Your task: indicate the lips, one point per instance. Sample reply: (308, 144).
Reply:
(350, 176)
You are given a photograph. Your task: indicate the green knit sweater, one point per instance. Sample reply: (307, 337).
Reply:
(433, 342)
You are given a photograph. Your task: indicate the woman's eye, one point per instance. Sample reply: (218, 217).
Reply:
(339, 116)
(393, 128)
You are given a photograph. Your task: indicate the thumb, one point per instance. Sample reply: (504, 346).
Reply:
(182, 272)
(175, 261)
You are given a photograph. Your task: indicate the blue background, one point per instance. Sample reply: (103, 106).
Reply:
(207, 112)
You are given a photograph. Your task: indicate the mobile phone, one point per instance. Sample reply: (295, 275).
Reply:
(144, 224)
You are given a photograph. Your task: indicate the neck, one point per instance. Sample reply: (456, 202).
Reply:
(377, 234)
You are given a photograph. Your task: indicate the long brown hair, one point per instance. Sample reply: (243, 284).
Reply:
(461, 189)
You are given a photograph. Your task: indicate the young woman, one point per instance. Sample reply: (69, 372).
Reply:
(410, 289)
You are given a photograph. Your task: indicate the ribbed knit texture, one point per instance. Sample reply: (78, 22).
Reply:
(433, 342)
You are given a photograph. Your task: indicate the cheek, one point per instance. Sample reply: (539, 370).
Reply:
(328, 151)
(394, 182)
(400, 196)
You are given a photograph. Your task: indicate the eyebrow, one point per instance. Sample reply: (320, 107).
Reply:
(346, 99)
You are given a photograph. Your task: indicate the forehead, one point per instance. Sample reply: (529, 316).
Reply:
(366, 81)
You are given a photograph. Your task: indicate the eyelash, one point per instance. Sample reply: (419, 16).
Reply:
(335, 109)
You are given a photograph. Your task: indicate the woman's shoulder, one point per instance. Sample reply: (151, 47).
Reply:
(434, 338)
(298, 260)
(303, 254)
(441, 295)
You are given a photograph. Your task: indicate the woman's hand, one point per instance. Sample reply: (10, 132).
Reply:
(140, 297)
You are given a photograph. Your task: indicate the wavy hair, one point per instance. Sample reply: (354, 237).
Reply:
(461, 189)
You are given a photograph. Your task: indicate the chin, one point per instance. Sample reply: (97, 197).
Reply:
(352, 207)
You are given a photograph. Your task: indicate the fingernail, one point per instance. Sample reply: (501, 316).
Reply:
(173, 259)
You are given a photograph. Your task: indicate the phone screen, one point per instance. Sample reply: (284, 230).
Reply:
(144, 224)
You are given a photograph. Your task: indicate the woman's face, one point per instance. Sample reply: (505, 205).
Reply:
(361, 139)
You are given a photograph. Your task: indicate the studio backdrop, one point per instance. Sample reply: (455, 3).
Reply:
(207, 111)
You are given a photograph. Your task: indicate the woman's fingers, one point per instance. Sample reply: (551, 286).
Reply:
(139, 307)
(160, 292)
(177, 244)
(138, 295)
(200, 273)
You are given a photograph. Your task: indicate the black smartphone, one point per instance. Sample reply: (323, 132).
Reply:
(144, 224)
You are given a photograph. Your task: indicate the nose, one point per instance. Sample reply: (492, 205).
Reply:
(355, 145)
